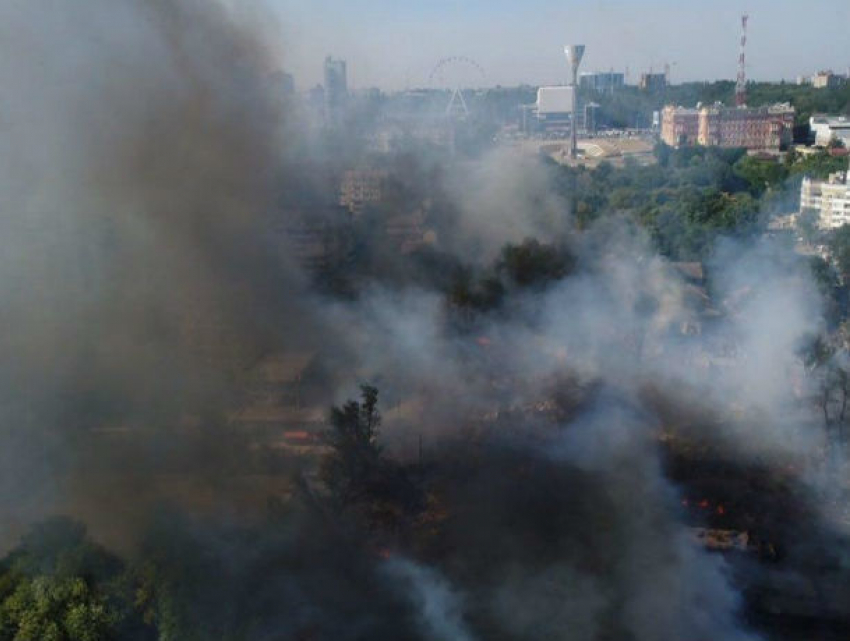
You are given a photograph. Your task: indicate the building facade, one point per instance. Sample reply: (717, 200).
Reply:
(601, 82)
(553, 110)
(652, 81)
(760, 129)
(830, 199)
(827, 80)
(766, 128)
(825, 129)
(362, 187)
(591, 117)
(336, 90)
(679, 126)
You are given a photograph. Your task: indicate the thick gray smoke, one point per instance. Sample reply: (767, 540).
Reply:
(437, 605)
(729, 368)
(144, 156)
(506, 198)
(618, 323)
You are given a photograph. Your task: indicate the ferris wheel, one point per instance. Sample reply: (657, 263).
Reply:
(454, 73)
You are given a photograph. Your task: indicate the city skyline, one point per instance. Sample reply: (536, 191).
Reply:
(395, 46)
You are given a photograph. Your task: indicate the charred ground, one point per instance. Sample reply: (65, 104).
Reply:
(596, 405)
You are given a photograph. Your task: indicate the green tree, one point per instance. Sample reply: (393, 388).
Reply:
(760, 174)
(828, 364)
(49, 608)
(819, 165)
(58, 585)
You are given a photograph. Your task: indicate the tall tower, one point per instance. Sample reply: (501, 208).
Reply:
(336, 90)
(574, 55)
(741, 84)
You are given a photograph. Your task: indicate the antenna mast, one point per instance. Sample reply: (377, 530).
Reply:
(741, 84)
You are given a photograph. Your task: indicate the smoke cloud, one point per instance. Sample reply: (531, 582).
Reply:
(147, 168)
(142, 157)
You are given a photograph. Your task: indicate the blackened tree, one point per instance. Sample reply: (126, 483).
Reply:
(355, 453)
(357, 475)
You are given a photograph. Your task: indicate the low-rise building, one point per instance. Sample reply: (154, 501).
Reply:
(361, 187)
(830, 199)
(312, 239)
(554, 107)
(407, 232)
(786, 223)
(767, 128)
(679, 126)
(826, 128)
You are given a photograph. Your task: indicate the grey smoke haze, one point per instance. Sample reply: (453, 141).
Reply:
(505, 199)
(142, 153)
(439, 608)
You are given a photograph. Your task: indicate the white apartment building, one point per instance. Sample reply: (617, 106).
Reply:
(830, 198)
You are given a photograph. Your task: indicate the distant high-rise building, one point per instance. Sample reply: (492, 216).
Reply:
(336, 89)
(316, 104)
(591, 117)
(827, 80)
(601, 82)
(283, 84)
(824, 80)
(652, 81)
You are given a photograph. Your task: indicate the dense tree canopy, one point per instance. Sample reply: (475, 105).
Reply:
(58, 585)
(633, 107)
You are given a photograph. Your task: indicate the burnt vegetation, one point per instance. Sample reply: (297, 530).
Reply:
(604, 404)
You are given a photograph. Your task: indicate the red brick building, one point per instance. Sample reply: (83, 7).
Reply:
(679, 126)
(766, 128)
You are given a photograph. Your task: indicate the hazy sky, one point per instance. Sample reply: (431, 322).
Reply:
(394, 44)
